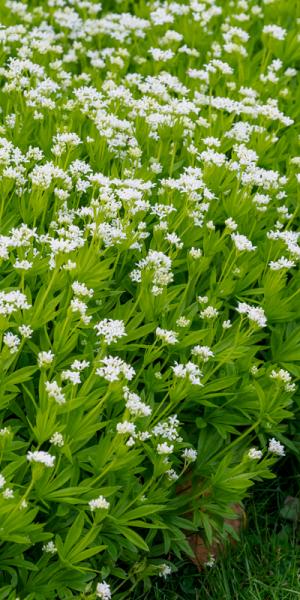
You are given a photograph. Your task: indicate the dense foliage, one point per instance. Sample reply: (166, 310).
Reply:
(149, 293)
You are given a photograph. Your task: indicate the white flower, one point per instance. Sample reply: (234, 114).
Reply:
(77, 305)
(143, 436)
(172, 475)
(161, 55)
(158, 265)
(183, 322)
(167, 336)
(113, 368)
(103, 591)
(203, 352)
(227, 324)
(167, 429)
(130, 442)
(276, 447)
(202, 299)
(211, 561)
(79, 365)
(189, 370)
(80, 289)
(39, 456)
(11, 341)
(165, 448)
(25, 331)
(57, 439)
(2, 481)
(45, 358)
(72, 376)
(134, 404)
(254, 313)
(49, 548)
(210, 225)
(281, 263)
(209, 313)
(98, 503)
(281, 375)
(189, 454)
(195, 253)
(172, 238)
(55, 391)
(126, 427)
(23, 265)
(70, 265)
(284, 377)
(8, 493)
(242, 243)
(164, 570)
(12, 301)
(278, 33)
(110, 329)
(231, 224)
(255, 454)
(4, 431)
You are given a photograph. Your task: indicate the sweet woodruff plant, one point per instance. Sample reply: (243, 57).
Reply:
(149, 291)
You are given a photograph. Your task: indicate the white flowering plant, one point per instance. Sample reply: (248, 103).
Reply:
(149, 289)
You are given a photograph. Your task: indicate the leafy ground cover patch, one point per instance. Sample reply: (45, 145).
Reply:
(149, 293)
(265, 563)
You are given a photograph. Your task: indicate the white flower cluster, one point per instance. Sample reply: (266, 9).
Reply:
(254, 454)
(113, 368)
(158, 266)
(203, 352)
(134, 404)
(165, 448)
(281, 263)
(42, 457)
(242, 243)
(278, 33)
(55, 392)
(189, 371)
(99, 503)
(49, 548)
(103, 591)
(209, 313)
(26, 331)
(255, 314)
(168, 429)
(57, 439)
(45, 358)
(189, 455)
(80, 289)
(77, 304)
(276, 447)
(11, 302)
(283, 377)
(126, 427)
(166, 335)
(164, 570)
(12, 342)
(110, 329)
(72, 376)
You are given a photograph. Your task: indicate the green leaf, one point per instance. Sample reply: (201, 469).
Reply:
(133, 537)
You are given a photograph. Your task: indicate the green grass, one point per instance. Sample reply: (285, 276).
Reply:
(265, 565)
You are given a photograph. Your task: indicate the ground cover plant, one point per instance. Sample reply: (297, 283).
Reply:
(264, 565)
(149, 293)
